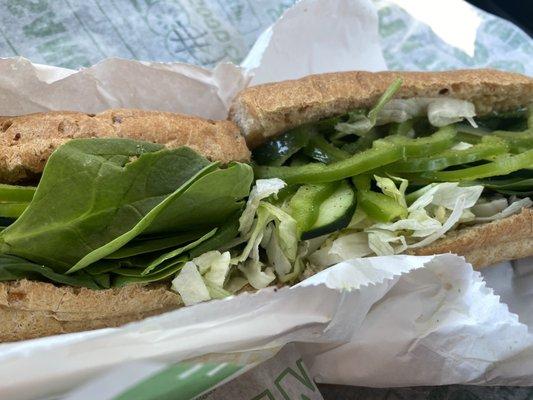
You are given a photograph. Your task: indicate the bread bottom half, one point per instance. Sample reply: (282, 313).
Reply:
(30, 309)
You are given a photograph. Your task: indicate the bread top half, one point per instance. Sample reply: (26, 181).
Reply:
(27, 141)
(267, 110)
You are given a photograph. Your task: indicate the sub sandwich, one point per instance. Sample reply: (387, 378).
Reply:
(110, 218)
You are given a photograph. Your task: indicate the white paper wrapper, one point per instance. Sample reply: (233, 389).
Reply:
(407, 320)
(411, 320)
(267, 319)
(324, 36)
(114, 83)
(439, 325)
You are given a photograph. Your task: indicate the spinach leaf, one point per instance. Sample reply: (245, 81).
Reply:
(143, 246)
(208, 202)
(225, 234)
(92, 192)
(14, 268)
(171, 255)
(145, 222)
(169, 271)
(104, 266)
(104, 280)
(205, 200)
(134, 272)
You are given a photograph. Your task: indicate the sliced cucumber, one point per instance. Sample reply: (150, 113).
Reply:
(278, 150)
(334, 213)
(305, 204)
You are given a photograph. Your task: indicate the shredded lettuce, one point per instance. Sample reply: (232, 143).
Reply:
(445, 194)
(266, 226)
(190, 285)
(277, 257)
(352, 245)
(450, 222)
(446, 111)
(345, 247)
(286, 230)
(216, 292)
(263, 188)
(483, 214)
(235, 284)
(203, 278)
(485, 208)
(380, 241)
(418, 221)
(440, 111)
(214, 266)
(256, 276)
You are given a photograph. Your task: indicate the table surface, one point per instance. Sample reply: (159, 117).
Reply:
(455, 392)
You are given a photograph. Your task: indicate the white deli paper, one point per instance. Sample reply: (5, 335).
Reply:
(380, 321)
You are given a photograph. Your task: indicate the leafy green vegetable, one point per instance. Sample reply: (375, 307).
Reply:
(190, 285)
(144, 223)
(224, 235)
(92, 192)
(14, 268)
(168, 272)
(208, 202)
(143, 246)
(520, 183)
(157, 262)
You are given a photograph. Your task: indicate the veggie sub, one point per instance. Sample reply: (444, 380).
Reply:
(109, 218)
(397, 162)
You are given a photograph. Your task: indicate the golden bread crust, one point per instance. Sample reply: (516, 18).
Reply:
(266, 110)
(27, 141)
(487, 244)
(30, 309)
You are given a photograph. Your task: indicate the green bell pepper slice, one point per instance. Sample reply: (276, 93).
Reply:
(383, 152)
(376, 206)
(503, 165)
(518, 141)
(424, 146)
(401, 128)
(321, 150)
(379, 206)
(488, 147)
(13, 193)
(12, 210)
